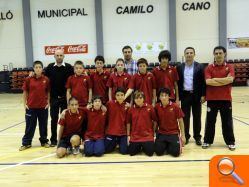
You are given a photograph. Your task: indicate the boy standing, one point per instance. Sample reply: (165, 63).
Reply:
(143, 81)
(166, 76)
(99, 79)
(79, 85)
(36, 95)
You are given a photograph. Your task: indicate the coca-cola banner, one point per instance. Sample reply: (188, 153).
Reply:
(68, 49)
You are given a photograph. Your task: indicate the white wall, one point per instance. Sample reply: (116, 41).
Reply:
(63, 30)
(134, 29)
(198, 29)
(12, 35)
(237, 26)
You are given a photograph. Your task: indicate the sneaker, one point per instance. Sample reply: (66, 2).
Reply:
(76, 150)
(187, 141)
(198, 142)
(23, 147)
(205, 145)
(69, 150)
(231, 147)
(46, 145)
(53, 144)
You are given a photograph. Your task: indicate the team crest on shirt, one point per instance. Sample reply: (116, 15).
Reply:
(171, 109)
(79, 117)
(125, 78)
(170, 71)
(44, 82)
(148, 109)
(149, 78)
(84, 80)
(227, 68)
(103, 113)
(105, 77)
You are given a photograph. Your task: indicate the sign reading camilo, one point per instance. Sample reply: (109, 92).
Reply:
(68, 49)
(135, 9)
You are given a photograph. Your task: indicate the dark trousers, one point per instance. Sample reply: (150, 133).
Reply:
(188, 102)
(57, 105)
(94, 147)
(31, 117)
(112, 141)
(136, 147)
(168, 143)
(225, 108)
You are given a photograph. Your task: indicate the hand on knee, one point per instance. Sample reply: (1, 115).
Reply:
(75, 140)
(60, 152)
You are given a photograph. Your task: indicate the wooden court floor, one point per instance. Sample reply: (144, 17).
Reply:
(39, 167)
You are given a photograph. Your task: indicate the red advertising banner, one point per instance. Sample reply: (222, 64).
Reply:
(68, 49)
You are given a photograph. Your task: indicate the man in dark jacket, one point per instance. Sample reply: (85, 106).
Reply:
(57, 72)
(191, 87)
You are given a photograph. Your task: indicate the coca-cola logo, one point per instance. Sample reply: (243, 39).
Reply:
(68, 49)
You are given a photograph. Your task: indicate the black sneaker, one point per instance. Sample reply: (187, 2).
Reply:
(46, 145)
(187, 141)
(53, 144)
(198, 142)
(24, 147)
(69, 150)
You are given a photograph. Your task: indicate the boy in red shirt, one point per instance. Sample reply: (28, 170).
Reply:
(118, 79)
(79, 85)
(36, 94)
(116, 132)
(171, 127)
(94, 137)
(70, 128)
(166, 76)
(141, 123)
(99, 79)
(143, 81)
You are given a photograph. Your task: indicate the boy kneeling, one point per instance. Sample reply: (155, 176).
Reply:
(70, 129)
(169, 138)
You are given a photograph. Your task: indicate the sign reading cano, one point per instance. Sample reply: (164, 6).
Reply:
(68, 49)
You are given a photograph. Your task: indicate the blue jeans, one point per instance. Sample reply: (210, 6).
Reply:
(94, 147)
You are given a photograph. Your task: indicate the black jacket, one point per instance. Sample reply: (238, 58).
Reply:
(199, 84)
(58, 77)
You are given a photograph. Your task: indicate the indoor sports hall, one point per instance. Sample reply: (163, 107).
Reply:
(35, 30)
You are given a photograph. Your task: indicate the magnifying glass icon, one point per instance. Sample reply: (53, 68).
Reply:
(226, 167)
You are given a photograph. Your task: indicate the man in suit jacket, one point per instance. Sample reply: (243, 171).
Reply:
(191, 87)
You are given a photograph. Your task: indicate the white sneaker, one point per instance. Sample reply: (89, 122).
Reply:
(231, 147)
(205, 145)
(75, 150)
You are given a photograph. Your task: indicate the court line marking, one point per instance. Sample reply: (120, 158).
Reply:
(12, 126)
(92, 163)
(26, 162)
(241, 121)
(21, 153)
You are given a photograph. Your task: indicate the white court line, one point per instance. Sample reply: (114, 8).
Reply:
(29, 161)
